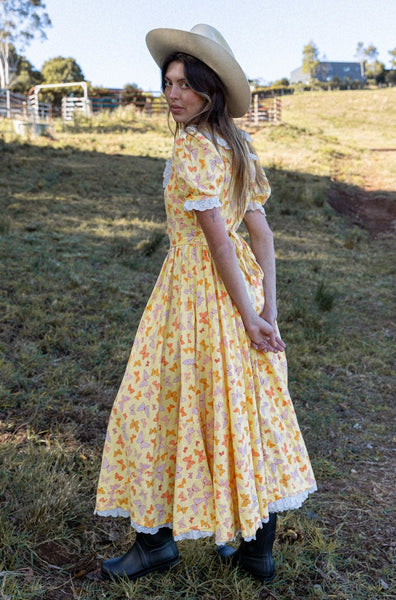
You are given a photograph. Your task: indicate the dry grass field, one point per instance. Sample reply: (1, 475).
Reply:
(82, 239)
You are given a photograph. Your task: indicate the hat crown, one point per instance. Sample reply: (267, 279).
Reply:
(206, 44)
(212, 34)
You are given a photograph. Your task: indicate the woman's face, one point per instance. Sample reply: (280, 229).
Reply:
(183, 102)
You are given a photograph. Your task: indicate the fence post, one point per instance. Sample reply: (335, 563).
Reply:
(278, 110)
(64, 109)
(8, 104)
(256, 110)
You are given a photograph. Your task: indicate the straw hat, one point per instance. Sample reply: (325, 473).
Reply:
(208, 45)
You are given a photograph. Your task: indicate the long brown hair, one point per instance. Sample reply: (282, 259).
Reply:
(215, 117)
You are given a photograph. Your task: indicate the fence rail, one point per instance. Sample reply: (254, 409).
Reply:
(264, 110)
(71, 105)
(38, 110)
(18, 106)
(12, 105)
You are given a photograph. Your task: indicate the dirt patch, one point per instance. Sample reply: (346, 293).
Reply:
(374, 211)
(56, 554)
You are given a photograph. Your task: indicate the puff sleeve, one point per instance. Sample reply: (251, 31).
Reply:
(259, 196)
(199, 170)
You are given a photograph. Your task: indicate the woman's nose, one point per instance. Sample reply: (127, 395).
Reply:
(174, 91)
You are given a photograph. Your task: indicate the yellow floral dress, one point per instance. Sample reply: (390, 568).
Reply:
(202, 436)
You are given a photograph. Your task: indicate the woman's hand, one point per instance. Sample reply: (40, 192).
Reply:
(269, 313)
(263, 335)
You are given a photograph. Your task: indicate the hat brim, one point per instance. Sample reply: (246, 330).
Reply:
(164, 42)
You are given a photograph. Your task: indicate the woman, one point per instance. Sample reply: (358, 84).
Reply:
(203, 438)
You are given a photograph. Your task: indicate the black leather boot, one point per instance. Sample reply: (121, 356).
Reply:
(256, 556)
(150, 552)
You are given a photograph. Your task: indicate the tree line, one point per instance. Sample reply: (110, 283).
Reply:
(375, 71)
(20, 22)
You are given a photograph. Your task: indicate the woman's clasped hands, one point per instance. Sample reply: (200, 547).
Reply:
(264, 336)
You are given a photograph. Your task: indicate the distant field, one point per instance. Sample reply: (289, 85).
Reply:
(82, 239)
(348, 135)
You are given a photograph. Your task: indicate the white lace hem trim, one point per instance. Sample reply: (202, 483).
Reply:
(289, 503)
(256, 206)
(203, 204)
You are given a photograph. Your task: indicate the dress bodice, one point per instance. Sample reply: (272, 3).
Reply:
(198, 178)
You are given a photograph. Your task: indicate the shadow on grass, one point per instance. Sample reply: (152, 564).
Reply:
(82, 241)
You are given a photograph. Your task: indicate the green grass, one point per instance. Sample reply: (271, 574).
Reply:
(82, 239)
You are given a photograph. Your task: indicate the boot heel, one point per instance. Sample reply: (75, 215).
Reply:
(157, 552)
(256, 556)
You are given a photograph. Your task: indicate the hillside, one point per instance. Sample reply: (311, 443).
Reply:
(82, 239)
(349, 138)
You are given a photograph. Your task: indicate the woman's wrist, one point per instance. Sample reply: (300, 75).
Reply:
(249, 319)
(270, 313)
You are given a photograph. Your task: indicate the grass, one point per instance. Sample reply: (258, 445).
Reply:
(82, 239)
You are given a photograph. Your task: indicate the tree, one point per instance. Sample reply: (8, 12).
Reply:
(360, 53)
(282, 82)
(132, 94)
(26, 76)
(376, 70)
(310, 60)
(371, 67)
(371, 53)
(393, 58)
(390, 76)
(20, 21)
(60, 70)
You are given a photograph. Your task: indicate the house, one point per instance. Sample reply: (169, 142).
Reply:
(326, 71)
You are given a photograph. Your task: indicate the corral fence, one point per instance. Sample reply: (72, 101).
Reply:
(71, 105)
(26, 113)
(264, 110)
(153, 104)
(18, 106)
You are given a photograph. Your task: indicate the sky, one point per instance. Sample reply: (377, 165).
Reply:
(107, 37)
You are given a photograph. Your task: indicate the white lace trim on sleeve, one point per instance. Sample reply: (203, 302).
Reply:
(167, 172)
(220, 141)
(256, 206)
(245, 135)
(204, 204)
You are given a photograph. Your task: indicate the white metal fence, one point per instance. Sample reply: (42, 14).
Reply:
(18, 106)
(12, 105)
(38, 110)
(71, 105)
